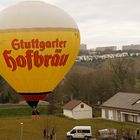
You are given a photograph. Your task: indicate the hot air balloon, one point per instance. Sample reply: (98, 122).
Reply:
(38, 45)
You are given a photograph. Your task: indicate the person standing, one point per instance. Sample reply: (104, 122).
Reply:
(44, 133)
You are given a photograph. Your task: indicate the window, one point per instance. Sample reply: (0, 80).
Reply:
(79, 131)
(106, 114)
(83, 131)
(138, 101)
(73, 131)
(82, 105)
(86, 131)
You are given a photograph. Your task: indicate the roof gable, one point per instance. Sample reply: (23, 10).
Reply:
(124, 101)
(72, 104)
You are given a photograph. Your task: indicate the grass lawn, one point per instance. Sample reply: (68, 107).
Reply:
(33, 129)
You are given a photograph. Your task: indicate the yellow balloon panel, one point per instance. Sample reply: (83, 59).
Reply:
(36, 61)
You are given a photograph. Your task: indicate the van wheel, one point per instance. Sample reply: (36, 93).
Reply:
(86, 138)
(70, 137)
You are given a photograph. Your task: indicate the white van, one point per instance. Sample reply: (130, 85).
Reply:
(83, 132)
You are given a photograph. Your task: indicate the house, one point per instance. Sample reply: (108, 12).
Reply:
(123, 107)
(77, 109)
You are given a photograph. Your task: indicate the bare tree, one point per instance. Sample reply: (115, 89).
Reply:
(123, 73)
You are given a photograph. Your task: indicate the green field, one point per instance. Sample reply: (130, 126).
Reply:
(10, 119)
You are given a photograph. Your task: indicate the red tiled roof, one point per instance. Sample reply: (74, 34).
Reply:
(73, 103)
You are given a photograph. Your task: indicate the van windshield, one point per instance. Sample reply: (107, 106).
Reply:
(73, 131)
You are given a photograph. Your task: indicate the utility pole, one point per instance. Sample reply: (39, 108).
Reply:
(21, 131)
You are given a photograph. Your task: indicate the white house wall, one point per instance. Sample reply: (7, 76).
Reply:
(82, 113)
(120, 116)
(115, 115)
(103, 113)
(110, 114)
(138, 119)
(68, 113)
(131, 117)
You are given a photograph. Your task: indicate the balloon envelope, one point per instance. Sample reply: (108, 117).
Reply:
(38, 45)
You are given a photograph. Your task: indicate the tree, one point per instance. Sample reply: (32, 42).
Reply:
(123, 73)
(72, 85)
(7, 94)
(91, 83)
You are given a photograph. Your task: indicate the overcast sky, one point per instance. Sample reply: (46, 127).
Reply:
(101, 22)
